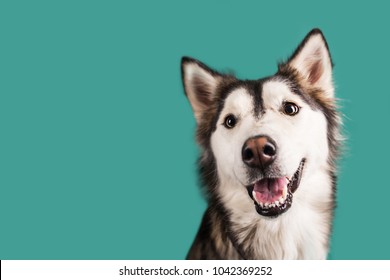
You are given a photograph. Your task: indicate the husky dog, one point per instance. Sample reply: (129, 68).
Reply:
(268, 151)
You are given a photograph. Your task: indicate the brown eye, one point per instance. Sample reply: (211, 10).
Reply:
(230, 121)
(290, 108)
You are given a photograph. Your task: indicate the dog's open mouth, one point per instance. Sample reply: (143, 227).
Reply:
(273, 196)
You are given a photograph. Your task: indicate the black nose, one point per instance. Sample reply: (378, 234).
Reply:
(259, 152)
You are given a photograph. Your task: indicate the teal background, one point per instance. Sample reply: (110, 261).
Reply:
(97, 150)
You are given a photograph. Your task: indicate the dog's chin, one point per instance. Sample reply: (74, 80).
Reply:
(274, 196)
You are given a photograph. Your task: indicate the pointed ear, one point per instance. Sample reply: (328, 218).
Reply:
(313, 61)
(200, 83)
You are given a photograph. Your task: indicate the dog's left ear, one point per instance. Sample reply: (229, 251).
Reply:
(200, 84)
(313, 61)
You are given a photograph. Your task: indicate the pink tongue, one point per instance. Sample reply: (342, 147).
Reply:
(269, 189)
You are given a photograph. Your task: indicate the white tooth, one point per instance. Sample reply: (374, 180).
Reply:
(261, 204)
(254, 196)
(277, 203)
(284, 194)
(281, 200)
(266, 204)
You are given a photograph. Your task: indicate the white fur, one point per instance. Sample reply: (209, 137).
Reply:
(300, 232)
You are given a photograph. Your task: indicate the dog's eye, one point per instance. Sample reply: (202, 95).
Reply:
(230, 121)
(290, 108)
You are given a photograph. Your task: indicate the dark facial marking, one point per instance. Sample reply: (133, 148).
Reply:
(253, 88)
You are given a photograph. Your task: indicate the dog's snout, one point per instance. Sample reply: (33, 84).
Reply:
(259, 152)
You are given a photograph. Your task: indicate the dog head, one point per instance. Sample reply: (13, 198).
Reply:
(265, 135)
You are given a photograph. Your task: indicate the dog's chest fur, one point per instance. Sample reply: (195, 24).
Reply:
(285, 238)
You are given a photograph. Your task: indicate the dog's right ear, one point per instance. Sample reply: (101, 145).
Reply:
(200, 84)
(313, 61)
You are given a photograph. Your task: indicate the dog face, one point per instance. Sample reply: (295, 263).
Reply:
(265, 135)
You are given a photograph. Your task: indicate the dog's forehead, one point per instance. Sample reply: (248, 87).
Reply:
(239, 100)
(276, 91)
